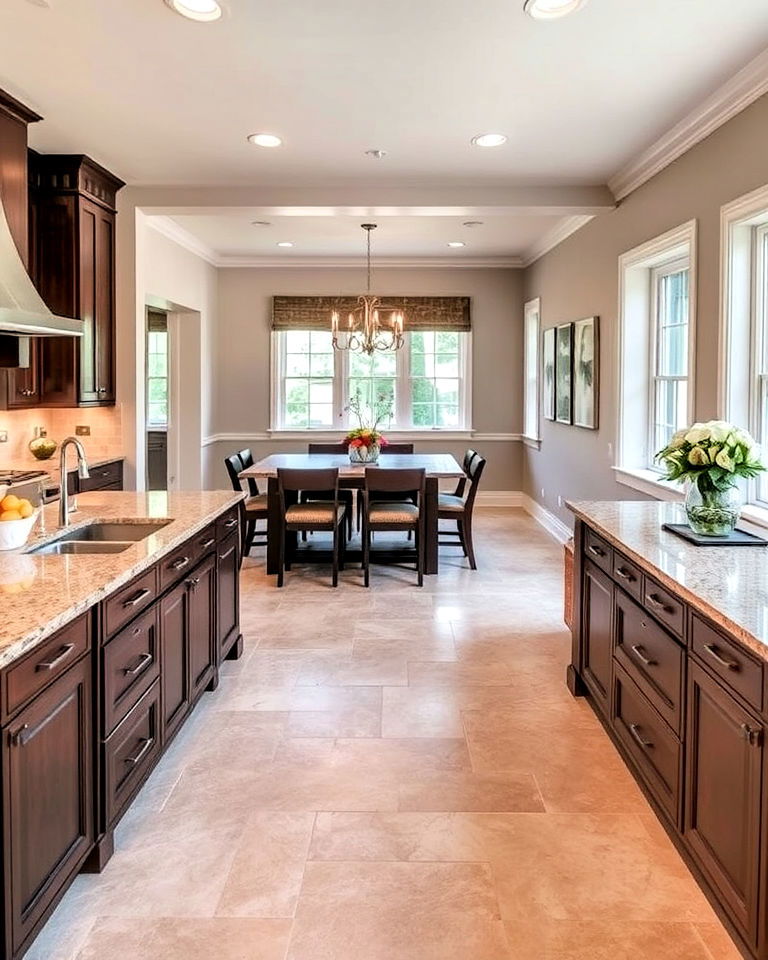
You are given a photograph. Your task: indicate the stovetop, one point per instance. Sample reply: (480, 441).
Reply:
(20, 476)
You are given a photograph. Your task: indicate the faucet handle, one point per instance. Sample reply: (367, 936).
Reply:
(82, 470)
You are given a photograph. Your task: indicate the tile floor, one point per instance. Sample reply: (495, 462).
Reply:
(394, 774)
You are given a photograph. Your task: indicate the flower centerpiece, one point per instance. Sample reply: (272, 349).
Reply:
(364, 443)
(711, 457)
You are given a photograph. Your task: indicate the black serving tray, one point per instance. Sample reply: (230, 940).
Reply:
(739, 538)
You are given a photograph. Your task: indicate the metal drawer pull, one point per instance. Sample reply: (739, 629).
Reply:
(137, 598)
(634, 729)
(145, 748)
(17, 737)
(144, 661)
(61, 655)
(193, 582)
(753, 737)
(658, 604)
(625, 574)
(180, 563)
(232, 522)
(208, 543)
(596, 551)
(638, 652)
(723, 661)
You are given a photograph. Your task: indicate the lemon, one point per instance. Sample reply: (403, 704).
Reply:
(9, 514)
(25, 508)
(11, 502)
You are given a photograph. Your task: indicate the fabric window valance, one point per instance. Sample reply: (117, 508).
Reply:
(421, 313)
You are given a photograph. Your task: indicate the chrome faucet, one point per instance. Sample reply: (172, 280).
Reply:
(82, 472)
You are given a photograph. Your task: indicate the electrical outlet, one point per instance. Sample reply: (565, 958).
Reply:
(559, 500)
(3, 436)
(82, 430)
(543, 494)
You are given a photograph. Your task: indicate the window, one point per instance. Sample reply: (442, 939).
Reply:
(532, 315)
(760, 353)
(157, 370)
(427, 380)
(657, 311)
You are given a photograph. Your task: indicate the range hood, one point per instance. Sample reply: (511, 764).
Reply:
(22, 310)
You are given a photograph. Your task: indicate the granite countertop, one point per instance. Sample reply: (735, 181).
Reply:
(41, 593)
(728, 584)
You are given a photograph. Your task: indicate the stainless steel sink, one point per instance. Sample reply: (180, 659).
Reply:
(101, 537)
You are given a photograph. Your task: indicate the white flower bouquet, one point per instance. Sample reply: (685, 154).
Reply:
(711, 456)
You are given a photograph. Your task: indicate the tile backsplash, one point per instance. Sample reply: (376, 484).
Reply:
(105, 440)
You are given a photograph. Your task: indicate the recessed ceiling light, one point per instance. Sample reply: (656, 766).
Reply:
(456, 243)
(489, 140)
(203, 10)
(264, 139)
(285, 243)
(260, 223)
(376, 154)
(551, 9)
(472, 223)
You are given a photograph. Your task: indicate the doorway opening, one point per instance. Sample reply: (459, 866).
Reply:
(158, 402)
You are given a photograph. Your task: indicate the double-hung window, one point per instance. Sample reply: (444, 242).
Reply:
(157, 370)
(427, 381)
(759, 373)
(668, 404)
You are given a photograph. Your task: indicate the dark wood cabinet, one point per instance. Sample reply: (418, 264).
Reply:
(73, 200)
(174, 639)
(48, 799)
(597, 633)
(228, 596)
(202, 625)
(723, 795)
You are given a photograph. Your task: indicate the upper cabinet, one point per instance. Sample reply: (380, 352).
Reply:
(73, 220)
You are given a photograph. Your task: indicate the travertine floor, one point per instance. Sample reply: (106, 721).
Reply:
(394, 774)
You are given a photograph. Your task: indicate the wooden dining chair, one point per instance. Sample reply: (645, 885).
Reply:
(346, 496)
(255, 506)
(388, 449)
(246, 458)
(326, 513)
(403, 509)
(459, 508)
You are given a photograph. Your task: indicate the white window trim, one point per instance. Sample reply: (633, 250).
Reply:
(635, 268)
(341, 376)
(532, 343)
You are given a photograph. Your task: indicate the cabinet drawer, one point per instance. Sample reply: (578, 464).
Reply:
(598, 550)
(131, 662)
(664, 606)
(126, 603)
(725, 658)
(651, 744)
(653, 659)
(628, 575)
(131, 751)
(107, 475)
(25, 679)
(205, 541)
(176, 564)
(227, 523)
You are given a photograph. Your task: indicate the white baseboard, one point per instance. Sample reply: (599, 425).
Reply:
(552, 524)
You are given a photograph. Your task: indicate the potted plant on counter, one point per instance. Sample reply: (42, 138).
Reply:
(711, 457)
(365, 441)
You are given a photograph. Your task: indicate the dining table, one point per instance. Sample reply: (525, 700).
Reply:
(437, 466)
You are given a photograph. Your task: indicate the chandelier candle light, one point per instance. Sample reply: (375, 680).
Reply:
(372, 325)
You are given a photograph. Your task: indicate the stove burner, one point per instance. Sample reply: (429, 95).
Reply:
(20, 476)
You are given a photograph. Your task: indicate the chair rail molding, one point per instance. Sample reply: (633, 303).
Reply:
(428, 436)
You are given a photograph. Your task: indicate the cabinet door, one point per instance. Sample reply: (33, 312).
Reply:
(174, 639)
(723, 795)
(228, 596)
(596, 634)
(24, 382)
(202, 624)
(48, 793)
(97, 251)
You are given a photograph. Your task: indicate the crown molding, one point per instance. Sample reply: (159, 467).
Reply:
(172, 231)
(561, 231)
(731, 98)
(381, 263)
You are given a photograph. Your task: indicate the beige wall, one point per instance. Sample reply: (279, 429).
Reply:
(242, 401)
(580, 278)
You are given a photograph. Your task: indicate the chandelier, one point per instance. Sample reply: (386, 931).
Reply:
(371, 325)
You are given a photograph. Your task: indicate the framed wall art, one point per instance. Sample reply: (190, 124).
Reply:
(586, 357)
(548, 374)
(564, 373)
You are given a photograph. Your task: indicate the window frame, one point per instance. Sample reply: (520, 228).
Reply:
(532, 371)
(401, 422)
(154, 424)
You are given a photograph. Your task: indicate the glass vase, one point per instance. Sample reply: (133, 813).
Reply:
(711, 512)
(369, 454)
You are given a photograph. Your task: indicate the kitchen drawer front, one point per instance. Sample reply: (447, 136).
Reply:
(131, 752)
(227, 523)
(105, 476)
(654, 748)
(25, 679)
(126, 603)
(598, 551)
(658, 601)
(131, 665)
(176, 564)
(654, 660)
(725, 658)
(628, 576)
(205, 541)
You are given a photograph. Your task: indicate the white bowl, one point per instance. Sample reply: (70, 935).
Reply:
(15, 533)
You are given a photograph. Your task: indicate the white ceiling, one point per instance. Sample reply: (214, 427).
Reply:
(161, 100)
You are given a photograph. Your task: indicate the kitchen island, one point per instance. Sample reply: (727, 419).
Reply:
(670, 645)
(103, 655)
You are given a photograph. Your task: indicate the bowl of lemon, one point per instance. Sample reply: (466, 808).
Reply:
(17, 517)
